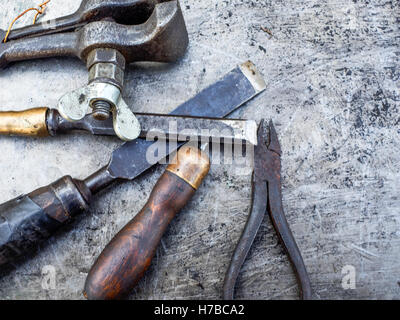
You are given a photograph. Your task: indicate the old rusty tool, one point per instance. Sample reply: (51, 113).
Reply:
(126, 258)
(32, 218)
(267, 195)
(43, 122)
(106, 35)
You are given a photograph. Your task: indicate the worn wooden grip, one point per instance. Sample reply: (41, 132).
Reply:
(30, 122)
(30, 219)
(125, 259)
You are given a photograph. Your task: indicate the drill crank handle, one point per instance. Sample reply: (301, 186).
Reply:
(30, 219)
(126, 258)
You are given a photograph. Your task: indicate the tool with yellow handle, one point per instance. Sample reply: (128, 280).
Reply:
(125, 259)
(32, 122)
(43, 122)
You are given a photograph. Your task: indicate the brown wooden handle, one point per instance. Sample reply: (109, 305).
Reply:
(30, 122)
(125, 259)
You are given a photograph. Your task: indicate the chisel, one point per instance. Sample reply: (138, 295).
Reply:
(43, 122)
(126, 258)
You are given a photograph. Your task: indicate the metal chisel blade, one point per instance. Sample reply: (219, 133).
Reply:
(218, 100)
(178, 128)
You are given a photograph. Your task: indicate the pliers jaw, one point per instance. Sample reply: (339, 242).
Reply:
(267, 154)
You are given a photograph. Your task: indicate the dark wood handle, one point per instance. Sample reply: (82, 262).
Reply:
(126, 258)
(30, 219)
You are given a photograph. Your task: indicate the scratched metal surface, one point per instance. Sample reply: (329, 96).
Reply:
(333, 73)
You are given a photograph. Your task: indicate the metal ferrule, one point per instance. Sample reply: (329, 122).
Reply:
(191, 165)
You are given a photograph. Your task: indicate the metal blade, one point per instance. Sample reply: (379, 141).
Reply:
(178, 128)
(218, 100)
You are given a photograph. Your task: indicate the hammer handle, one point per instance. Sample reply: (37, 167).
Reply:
(126, 258)
(30, 219)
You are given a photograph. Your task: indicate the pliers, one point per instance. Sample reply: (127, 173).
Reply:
(267, 195)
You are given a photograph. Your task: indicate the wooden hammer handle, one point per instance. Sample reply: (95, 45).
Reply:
(126, 258)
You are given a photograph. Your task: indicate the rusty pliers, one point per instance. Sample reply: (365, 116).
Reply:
(267, 195)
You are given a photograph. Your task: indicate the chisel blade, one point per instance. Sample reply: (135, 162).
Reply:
(181, 128)
(216, 130)
(217, 101)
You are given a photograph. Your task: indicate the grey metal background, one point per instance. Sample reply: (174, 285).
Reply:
(333, 74)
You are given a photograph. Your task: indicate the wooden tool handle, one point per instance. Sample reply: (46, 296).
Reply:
(125, 259)
(30, 219)
(30, 122)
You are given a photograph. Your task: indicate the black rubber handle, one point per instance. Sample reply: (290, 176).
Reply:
(30, 219)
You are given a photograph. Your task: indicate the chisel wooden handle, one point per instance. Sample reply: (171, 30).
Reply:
(32, 218)
(125, 259)
(32, 122)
